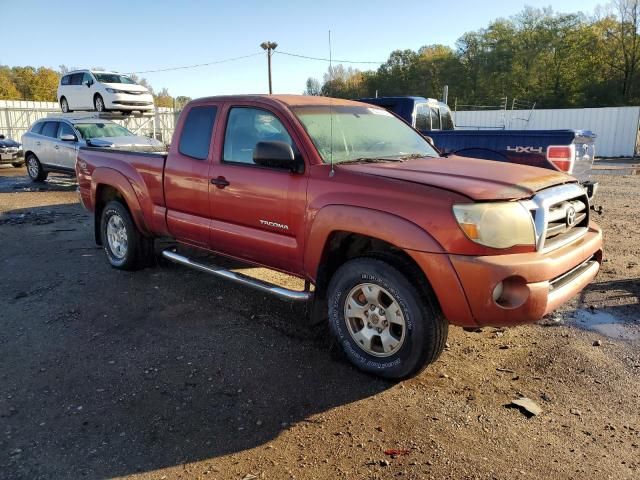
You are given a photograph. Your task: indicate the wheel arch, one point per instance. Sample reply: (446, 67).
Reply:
(109, 185)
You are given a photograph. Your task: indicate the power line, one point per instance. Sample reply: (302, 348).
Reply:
(184, 67)
(280, 52)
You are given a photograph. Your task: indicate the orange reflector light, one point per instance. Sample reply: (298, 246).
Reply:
(471, 230)
(562, 157)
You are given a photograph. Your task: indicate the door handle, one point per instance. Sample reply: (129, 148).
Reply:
(38, 143)
(57, 147)
(220, 182)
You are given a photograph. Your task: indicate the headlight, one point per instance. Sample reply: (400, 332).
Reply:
(112, 90)
(497, 225)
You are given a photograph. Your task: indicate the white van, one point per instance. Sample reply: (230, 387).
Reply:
(102, 91)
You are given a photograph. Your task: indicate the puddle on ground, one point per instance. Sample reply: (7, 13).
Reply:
(606, 324)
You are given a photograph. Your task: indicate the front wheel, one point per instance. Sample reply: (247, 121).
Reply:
(125, 246)
(98, 104)
(35, 170)
(385, 324)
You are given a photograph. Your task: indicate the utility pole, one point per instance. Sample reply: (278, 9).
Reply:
(269, 47)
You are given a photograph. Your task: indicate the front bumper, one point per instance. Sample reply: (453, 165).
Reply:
(124, 101)
(8, 156)
(464, 285)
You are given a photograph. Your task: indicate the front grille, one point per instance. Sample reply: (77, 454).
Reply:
(560, 215)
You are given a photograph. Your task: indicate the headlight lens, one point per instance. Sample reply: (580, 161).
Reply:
(112, 90)
(496, 225)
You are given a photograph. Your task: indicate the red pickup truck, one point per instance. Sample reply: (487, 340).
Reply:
(397, 242)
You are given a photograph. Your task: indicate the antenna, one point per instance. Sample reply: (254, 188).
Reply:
(332, 171)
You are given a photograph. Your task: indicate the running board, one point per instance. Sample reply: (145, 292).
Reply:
(281, 292)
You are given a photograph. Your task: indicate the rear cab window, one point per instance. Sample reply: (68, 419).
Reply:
(197, 129)
(445, 117)
(423, 117)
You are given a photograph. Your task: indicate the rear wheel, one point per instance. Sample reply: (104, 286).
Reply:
(64, 105)
(35, 170)
(384, 323)
(125, 246)
(98, 104)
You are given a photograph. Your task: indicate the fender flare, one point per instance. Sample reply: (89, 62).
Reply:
(385, 226)
(113, 178)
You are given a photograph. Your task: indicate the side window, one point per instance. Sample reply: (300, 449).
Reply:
(423, 119)
(86, 78)
(50, 129)
(65, 80)
(196, 132)
(37, 128)
(65, 129)
(435, 118)
(76, 79)
(248, 126)
(445, 116)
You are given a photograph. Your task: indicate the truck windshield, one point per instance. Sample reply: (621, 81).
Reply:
(113, 78)
(353, 132)
(100, 130)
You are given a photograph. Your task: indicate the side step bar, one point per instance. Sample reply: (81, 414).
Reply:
(281, 292)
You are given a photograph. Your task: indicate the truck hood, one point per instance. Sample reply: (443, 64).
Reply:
(474, 178)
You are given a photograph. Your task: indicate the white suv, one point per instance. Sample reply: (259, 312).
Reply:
(102, 91)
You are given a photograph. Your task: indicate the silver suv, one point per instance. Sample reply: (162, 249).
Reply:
(52, 144)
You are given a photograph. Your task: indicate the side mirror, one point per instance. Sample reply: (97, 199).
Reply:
(68, 138)
(88, 83)
(2, 137)
(275, 154)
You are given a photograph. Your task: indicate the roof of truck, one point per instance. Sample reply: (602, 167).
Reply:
(288, 100)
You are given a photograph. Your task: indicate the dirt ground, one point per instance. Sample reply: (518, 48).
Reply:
(168, 373)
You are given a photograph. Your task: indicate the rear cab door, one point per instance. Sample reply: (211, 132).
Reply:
(258, 212)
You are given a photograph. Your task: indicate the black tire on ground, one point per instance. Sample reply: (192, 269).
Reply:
(34, 169)
(64, 105)
(98, 103)
(17, 164)
(425, 327)
(127, 249)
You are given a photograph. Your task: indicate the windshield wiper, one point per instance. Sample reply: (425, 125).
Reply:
(369, 160)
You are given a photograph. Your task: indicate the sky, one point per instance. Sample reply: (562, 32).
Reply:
(141, 35)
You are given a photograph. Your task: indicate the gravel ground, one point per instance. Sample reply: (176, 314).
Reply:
(168, 373)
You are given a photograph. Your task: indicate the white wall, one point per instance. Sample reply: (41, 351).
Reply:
(616, 127)
(16, 116)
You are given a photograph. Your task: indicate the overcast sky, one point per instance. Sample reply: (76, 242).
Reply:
(134, 36)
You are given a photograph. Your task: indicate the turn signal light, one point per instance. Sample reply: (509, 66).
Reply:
(562, 157)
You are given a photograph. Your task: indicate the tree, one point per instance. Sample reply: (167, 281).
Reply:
(8, 90)
(313, 87)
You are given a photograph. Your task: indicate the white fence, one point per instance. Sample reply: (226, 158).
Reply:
(616, 127)
(16, 116)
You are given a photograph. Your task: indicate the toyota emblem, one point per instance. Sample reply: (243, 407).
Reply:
(571, 216)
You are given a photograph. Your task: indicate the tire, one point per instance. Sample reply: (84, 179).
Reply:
(64, 105)
(17, 164)
(98, 103)
(125, 246)
(34, 169)
(392, 345)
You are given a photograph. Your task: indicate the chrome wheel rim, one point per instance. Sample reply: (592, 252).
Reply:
(117, 236)
(99, 104)
(374, 320)
(32, 167)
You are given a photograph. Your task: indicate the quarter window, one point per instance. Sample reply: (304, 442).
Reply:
(447, 121)
(37, 128)
(65, 80)
(50, 129)
(196, 132)
(248, 126)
